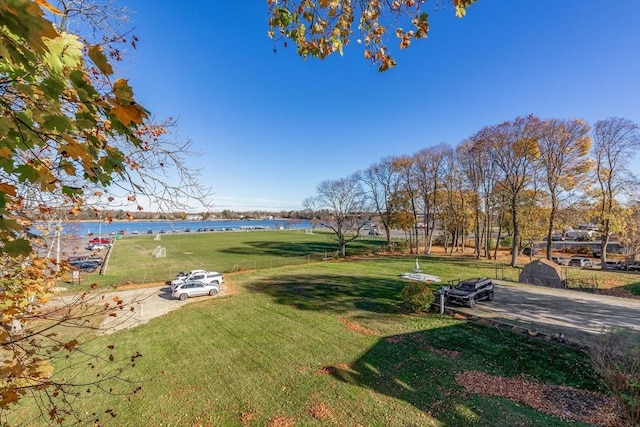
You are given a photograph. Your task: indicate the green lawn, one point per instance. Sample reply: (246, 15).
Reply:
(131, 259)
(326, 344)
(309, 340)
(226, 252)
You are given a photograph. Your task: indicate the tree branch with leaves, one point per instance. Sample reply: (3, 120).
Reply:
(320, 28)
(71, 135)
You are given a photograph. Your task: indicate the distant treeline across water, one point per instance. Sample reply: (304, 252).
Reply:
(86, 228)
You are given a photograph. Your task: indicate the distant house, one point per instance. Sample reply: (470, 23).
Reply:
(543, 272)
(192, 217)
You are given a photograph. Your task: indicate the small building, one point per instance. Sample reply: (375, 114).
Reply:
(543, 272)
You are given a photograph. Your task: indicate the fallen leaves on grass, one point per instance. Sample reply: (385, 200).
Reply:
(280, 422)
(329, 370)
(356, 327)
(320, 411)
(247, 417)
(617, 292)
(395, 339)
(564, 402)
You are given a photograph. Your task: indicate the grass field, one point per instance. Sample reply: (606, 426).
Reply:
(316, 344)
(226, 252)
(325, 344)
(131, 259)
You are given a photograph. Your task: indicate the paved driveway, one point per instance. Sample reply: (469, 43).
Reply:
(147, 303)
(580, 316)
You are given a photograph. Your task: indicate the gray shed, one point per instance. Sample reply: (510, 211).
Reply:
(543, 272)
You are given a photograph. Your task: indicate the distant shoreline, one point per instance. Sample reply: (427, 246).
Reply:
(159, 226)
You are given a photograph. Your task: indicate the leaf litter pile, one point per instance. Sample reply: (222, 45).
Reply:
(567, 403)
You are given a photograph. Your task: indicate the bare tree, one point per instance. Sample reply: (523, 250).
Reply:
(429, 166)
(382, 181)
(481, 175)
(407, 173)
(615, 142)
(345, 201)
(310, 205)
(472, 169)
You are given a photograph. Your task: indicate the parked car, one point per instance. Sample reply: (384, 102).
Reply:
(92, 259)
(84, 266)
(633, 267)
(194, 289)
(102, 241)
(560, 260)
(469, 291)
(204, 277)
(612, 265)
(97, 246)
(374, 232)
(182, 274)
(529, 251)
(579, 261)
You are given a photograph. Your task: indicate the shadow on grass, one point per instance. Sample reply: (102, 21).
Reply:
(333, 293)
(296, 249)
(420, 369)
(633, 288)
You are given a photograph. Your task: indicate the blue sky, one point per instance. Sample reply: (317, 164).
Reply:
(272, 126)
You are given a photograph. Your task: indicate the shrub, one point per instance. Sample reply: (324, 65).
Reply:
(506, 242)
(417, 296)
(616, 358)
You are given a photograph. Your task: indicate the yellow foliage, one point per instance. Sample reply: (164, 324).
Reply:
(128, 114)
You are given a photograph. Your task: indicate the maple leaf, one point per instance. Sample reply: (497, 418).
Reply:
(128, 114)
(8, 397)
(71, 345)
(98, 57)
(48, 6)
(73, 149)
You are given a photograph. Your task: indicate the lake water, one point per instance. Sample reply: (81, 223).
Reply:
(85, 228)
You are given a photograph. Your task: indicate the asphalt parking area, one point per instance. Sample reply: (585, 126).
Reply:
(579, 316)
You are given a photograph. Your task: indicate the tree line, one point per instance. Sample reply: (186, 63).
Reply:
(525, 178)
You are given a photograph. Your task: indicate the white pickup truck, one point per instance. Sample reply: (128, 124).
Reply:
(200, 276)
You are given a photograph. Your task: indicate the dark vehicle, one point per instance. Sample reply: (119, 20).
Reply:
(612, 265)
(529, 251)
(84, 266)
(469, 291)
(560, 260)
(633, 267)
(93, 260)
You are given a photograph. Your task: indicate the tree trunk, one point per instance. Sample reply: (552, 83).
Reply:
(552, 217)
(516, 232)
